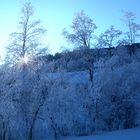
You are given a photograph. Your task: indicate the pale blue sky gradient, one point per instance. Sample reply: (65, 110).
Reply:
(58, 14)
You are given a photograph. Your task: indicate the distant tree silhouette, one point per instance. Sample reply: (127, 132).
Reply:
(133, 28)
(108, 38)
(82, 28)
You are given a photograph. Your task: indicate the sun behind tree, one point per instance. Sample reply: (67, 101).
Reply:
(25, 43)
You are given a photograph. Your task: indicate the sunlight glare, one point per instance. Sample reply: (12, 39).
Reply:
(25, 60)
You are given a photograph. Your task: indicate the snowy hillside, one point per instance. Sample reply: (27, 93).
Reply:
(48, 105)
(131, 134)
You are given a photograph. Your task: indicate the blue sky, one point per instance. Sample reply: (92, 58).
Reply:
(57, 14)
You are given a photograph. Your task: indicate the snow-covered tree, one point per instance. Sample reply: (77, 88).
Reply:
(25, 42)
(82, 32)
(133, 32)
(109, 38)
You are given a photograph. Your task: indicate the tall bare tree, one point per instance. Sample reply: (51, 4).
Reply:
(109, 38)
(25, 42)
(133, 28)
(82, 28)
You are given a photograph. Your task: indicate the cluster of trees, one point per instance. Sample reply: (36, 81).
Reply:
(39, 105)
(26, 42)
(83, 28)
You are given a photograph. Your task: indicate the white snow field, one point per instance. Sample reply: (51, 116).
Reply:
(130, 134)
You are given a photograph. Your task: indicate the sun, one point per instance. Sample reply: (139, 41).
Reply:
(25, 59)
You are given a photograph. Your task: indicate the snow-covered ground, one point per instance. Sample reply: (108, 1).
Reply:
(131, 134)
